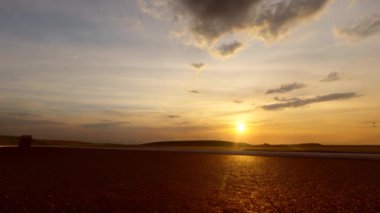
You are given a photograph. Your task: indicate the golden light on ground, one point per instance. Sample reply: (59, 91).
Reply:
(240, 127)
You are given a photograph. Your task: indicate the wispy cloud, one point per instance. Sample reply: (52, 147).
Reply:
(285, 99)
(24, 118)
(173, 116)
(195, 91)
(209, 23)
(298, 102)
(106, 124)
(286, 88)
(60, 21)
(198, 66)
(23, 115)
(237, 101)
(334, 76)
(359, 30)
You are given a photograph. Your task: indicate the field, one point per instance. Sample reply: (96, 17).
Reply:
(95, 180)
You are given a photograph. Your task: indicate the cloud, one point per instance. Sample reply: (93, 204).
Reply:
(105, 124)
(173, 116)
(194, 91)
(23, 115)
(229, 49)
(198, 66)
(238, 101)
(22, 119)
(150, 8)
(285, 99)
(361, 29)
(352, 3)
(286, 88)
(334, 76)
(70, 20)
(209, 23)
(276, 18)
(297, 102)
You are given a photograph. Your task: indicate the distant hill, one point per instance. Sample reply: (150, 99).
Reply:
(203, 145)
(296, 144)
(14, 140)
(196, 143)
(9, 140)
(309, 144)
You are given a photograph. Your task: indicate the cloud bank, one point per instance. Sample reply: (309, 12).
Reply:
(361, 29)
(286, 88)
(24, 118)
(208, 24)
(297, 102)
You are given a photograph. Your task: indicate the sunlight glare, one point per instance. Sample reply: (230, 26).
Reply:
(240, 127)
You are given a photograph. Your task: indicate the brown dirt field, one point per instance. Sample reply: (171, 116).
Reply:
(90, 180)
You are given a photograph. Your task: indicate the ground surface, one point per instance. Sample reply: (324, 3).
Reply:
(85, 180)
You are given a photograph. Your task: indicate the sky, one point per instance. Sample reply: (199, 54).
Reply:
(134, 71)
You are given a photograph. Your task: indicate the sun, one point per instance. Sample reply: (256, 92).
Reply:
(240, 127)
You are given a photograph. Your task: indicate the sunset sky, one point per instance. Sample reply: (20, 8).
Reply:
(133, 71)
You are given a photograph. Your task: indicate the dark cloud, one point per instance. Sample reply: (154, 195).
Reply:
(277, 17)
(194, 91)
(229, 48)
(361, 29)
(173, 116)
(286, 88)
(334, 76)
(210, 19)
(297, 102)
(198, 66)
(209, 22)
(105, 124)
